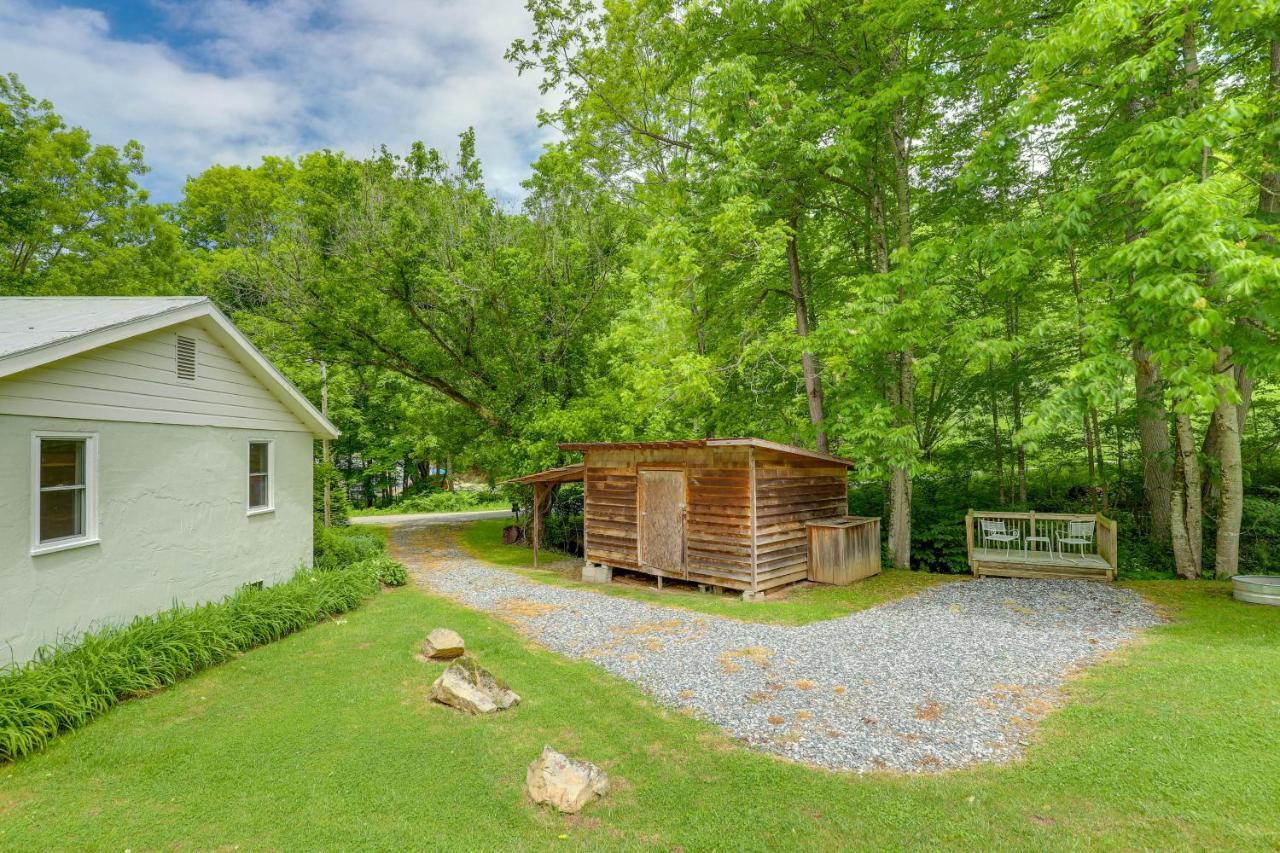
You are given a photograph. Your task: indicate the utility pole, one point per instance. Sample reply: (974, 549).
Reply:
(324, 444)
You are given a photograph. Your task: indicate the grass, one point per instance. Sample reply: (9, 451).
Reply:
(326, 740)
(67, 686)
(483, 540)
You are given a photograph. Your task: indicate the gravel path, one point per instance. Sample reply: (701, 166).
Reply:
(952, 676)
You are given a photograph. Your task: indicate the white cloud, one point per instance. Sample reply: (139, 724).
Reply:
(287, 76)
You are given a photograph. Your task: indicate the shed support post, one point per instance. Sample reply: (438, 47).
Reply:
(538, 490)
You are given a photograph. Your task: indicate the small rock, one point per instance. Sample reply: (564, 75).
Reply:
(443, 644)
(566, 784)
(470, 687)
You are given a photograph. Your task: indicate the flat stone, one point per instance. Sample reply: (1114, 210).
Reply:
(471, 688)
(565, 784)
(443, 644)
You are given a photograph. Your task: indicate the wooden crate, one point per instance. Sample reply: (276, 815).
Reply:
(843, 550)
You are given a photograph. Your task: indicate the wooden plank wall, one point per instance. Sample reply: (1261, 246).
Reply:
(791, 490)
(609, 485)
(719, 513)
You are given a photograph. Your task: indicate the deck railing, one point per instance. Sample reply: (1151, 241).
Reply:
(1046, 537)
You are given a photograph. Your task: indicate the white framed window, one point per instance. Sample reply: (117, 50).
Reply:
(262, 469)
(64, 500)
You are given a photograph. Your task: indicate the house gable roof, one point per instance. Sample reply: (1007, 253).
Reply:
(35, 331)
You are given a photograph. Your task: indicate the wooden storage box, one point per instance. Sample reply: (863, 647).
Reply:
(843, 550)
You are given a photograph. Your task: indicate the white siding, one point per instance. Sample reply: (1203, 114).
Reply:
(136, 380)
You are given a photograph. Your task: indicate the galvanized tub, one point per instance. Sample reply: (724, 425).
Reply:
(1258, 589)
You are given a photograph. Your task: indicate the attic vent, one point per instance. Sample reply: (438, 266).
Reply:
(186, 358)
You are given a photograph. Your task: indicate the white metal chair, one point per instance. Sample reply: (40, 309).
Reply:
(997, 531)
(1079, 533)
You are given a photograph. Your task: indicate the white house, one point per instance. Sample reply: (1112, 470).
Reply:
(148, 454)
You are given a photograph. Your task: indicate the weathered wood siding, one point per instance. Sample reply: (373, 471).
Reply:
(136, 380)
(719, 528)
(609, 487)
(789, 492)
(736, 497)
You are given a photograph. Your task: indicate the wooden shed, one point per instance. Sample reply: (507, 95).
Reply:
(728, 512)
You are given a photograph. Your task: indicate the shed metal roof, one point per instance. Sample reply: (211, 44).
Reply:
(763, 444)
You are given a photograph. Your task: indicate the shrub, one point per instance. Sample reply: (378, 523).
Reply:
(455, 501)
(67, 686)
(384, 569)
(335, 547)
(1260, 534)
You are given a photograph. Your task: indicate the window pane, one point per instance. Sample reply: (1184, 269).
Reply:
(258, 490)
(61, 514)
(61, 462)
(258, 451)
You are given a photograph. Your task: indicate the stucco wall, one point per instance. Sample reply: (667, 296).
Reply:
(172, 523)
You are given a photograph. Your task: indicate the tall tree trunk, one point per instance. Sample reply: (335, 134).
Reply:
(1093, 471)
(1184, 502)
(898, 395)
(1269, 192)
(900, 485)
(900, 490)
(995, 434)
(812, 377)
(1097, 449)
(1019, 452)
(1227, 420)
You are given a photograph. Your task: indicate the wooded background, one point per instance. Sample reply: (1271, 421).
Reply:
(1003, 254)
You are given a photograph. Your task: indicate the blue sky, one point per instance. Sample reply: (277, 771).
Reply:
(227, 81)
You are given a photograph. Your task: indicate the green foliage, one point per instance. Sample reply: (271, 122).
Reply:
(73, 220)
(458, 500)
(337, 547)
(1260, 535)
(67, 686)
(339, 505)
(382, 568)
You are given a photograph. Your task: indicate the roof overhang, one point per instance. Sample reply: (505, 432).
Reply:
(763, 444)
(205, 314)
(563, 474)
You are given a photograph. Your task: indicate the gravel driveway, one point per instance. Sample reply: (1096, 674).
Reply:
(954, 675)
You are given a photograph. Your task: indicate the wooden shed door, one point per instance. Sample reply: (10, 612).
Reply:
(662, 520)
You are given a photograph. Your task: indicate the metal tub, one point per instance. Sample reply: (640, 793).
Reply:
(1258, 589)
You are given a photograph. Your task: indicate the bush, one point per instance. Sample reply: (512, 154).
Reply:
(384, 569)
(336, 547)
(455, 501)
(1260, 534)
(67, 686)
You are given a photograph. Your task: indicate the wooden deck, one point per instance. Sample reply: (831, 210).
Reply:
(1001, 563)
(1035, 553)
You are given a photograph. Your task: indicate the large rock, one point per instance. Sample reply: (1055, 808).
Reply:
(469, 687)
(564, 783)
(443, 644)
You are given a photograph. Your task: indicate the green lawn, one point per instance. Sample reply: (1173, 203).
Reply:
(326, 740)
(483, 540)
